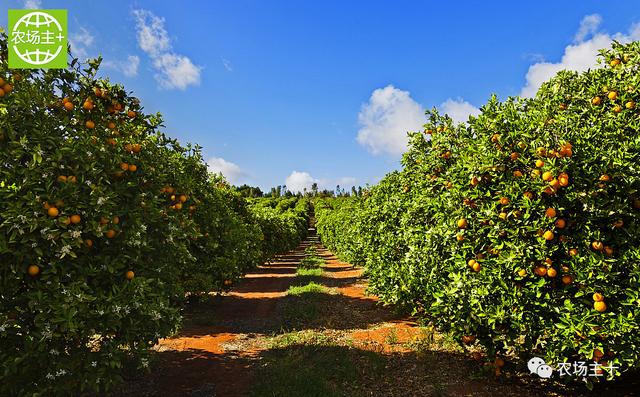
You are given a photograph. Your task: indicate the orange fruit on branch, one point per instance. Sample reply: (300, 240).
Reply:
(600, 306)
(33, 270)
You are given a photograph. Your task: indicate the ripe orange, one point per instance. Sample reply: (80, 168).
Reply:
(499, 362)
(131, 114)
(130, 275)
(88, 105)
(613, 95)
(90, 124)
(561, 223)
(136, 147)
(446, 154)
(133, 168)
(462, 223)
(567, 279)
(551, 272)
(548, 235)
(522, 272)
(535, 173)
(617, 109)
(597, 297)
(110, 233)
(597, 245)
(541, 151)
(476, 267)
(115, 220)
(178, 206)
(495, 138)
(608, 250)
(550, 212)
(605, 178)
(630, 105)
(600, 306)
(459, 237)
(614, 62)
(597, 354)
(75, 219)
(547, 176)
(528, 195)
(504, 200)
(97, 91)
(636, 204)
(471, 262)
(514, 156)
(7, 88)
(540, 271)
(555, 184)
(517, 173)
(104, 221)
(539, 163)
(111, 141)
(183, 198)
(562, 106)
(128, 147)
(503, 216)
(124, 166)
(88, 243)
(33, 270)
(596, 101)
(62, 179)
(72, 179)
(563, 179)
(53, 212)
(573, 252)
(111, 125)
(68, 106)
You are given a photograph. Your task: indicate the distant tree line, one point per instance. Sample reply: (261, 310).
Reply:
(282, 191)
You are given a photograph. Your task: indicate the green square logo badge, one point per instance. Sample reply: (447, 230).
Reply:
(37, 39)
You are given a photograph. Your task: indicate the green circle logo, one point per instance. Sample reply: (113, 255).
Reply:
(38, 39)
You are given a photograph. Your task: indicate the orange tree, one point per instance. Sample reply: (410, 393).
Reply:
(283, 221)
(106, 224)
(520, 230)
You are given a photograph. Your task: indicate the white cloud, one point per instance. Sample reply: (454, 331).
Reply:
(153, 38)
(32, 4)
(129, 67)
(80, 43)
(579, 56)
(589, 25)
(458, 109)
(173, 70)
(227, 65)
(299, 181)
(231, 171)
(346, 181)
(386, 119)
(176, 71)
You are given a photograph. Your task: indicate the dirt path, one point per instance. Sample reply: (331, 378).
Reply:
(249, 336)
(215, 351)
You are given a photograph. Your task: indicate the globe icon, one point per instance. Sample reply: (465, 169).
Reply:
(35, 21)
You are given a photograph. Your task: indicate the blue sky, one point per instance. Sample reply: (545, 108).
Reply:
(300, 91)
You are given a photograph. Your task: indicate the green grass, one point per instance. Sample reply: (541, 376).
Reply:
(309, 272)
(311, 259)
(310, 288)
(314, 370)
